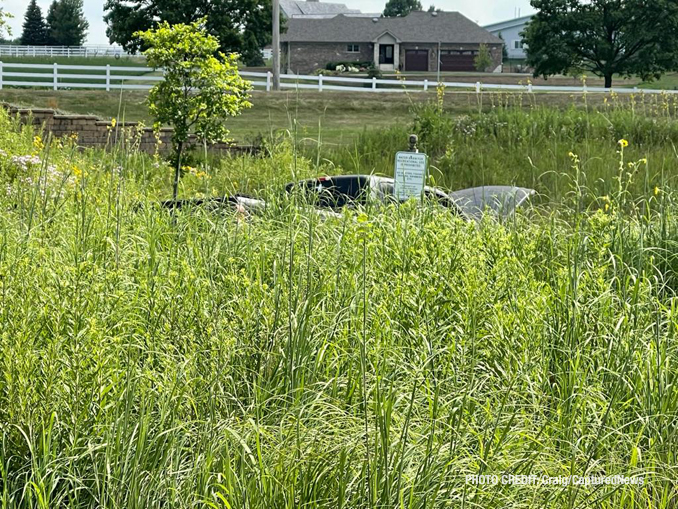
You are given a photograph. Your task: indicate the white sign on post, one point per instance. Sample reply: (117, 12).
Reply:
(410, 175)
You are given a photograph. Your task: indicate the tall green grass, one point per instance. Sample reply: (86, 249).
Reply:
(289, 360)
(510, 139)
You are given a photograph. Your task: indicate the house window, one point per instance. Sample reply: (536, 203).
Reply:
(517, 45)
(458, 52)
(353, 48)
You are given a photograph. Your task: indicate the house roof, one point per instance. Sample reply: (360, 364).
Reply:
(423, 27)
(511, 23)
(347, 14)
(293, 8)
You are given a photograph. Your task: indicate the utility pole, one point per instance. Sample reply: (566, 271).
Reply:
(276, 44)
(439, 57)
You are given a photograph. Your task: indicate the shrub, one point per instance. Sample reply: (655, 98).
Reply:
(332, 66)
(483, 59)
(374, 72)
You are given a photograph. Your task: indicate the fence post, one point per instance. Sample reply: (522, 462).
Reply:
(425, 85)
(374, 83)
(56, 78)
(320, 82)
(269, 75)
(477, 87)
(0, 75)
(108, 77)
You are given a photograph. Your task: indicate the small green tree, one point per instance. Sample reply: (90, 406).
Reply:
(200, 90)
(483, 59)
(34, 31)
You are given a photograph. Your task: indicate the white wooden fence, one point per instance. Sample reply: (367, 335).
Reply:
(109, 77)
(15, 50)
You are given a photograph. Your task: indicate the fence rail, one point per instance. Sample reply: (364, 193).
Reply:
(14, 50)
(110, 77)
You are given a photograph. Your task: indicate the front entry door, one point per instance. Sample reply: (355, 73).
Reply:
(386, 54)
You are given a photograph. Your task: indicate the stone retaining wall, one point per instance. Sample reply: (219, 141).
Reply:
(92, 132)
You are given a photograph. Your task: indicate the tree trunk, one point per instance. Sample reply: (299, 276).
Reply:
(608, 81)
(177, 171)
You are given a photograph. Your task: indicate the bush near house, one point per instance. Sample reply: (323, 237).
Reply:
(362, 66)
(483, 60)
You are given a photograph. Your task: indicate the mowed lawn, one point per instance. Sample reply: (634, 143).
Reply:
(337, 117)
(92, 61)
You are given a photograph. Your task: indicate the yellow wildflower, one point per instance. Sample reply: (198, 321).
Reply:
(657, 190)
(37, 142)
(113, 122)
(623, 143)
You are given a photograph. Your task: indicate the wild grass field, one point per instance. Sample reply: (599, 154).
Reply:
(289, 360)
(331, 118)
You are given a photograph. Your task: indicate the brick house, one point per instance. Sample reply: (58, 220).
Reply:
(420, 41)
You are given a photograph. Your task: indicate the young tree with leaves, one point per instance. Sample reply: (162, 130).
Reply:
(399, 8)
(200, 90)
(66, 23)
(34, 31)
(483, 59)
(242, 26)
(604, 37)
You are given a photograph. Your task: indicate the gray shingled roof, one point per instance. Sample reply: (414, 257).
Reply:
(293, 8)
(450, 27)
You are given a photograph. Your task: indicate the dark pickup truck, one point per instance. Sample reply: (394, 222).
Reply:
(349, 190)
(333, 193)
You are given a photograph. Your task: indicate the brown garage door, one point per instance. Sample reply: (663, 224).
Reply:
(416, 60)
(459, 61)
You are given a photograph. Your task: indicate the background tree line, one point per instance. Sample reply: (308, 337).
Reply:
(64, 25)
(241, 26)
(608, 38)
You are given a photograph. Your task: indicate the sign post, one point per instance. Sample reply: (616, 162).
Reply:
(410, 173)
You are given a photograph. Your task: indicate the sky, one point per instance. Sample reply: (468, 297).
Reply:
(480, 11)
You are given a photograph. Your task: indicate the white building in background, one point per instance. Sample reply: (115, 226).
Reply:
(510, 31)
